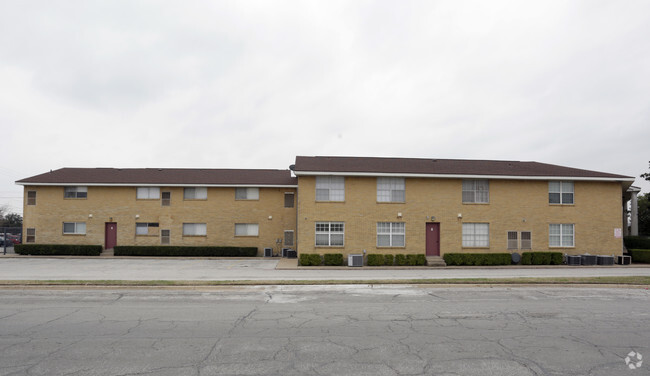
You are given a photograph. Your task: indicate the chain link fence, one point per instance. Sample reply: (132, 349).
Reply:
(9, 236)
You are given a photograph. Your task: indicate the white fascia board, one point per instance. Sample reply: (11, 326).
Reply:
(459, 176)
(158, 185)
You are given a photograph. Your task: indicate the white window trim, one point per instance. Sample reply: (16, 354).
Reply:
(201, 228)
(152, 193)
(521, 240)
(335, 187)
(517, 238)
(77, 228)
(472, 237)
(393, 232)
(293, 238)
(249, 193)
(147, 226)
(475, 191)
(562, 234)
(31, 200)
(77, 192)
(389, 188)
(561, 192)
(247, 229)
(329, 234)
(195, 193)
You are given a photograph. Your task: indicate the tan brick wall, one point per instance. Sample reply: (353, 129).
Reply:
(220, 212)
(515, 205)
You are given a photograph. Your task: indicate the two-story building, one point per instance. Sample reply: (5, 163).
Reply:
(336, 205)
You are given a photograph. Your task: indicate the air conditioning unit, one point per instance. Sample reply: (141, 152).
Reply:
(605, 260)
(624, 260)
(292, 253)
(355, 260)
(588, 259)
(285, 252)
(573, 260)
(268, 252)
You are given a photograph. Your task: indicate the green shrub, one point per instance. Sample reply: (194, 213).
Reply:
(389, 260)
(333, 259)
(179, 251)
(637, 242)
(640, 255)
(58, 249)
(420, 260)
(542, 258)
(375, 259)
(478, 259)
(400, 260)
(411, 260)
(310, 259)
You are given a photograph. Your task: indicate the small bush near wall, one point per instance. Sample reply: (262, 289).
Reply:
(478, 259)
(389, 260)
(400, 260)
(420, 260)
(173, 251)
(333, 259)
(636, 242)
(541, 258)
(309, 259)
(375, 259)
(640, 255)
(58, 249)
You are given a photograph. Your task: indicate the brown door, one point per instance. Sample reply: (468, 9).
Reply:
(433, 239)
(110, 235)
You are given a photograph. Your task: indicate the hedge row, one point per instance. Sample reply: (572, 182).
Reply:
(375, 259)
(310, 259)
(58, 249)
(177, 251)
(640, 255)
(478, 259)
(636, 242)
(542, 258)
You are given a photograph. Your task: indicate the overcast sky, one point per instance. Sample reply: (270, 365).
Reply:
(247, 84)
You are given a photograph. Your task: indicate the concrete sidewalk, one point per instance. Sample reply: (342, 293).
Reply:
(260, 269)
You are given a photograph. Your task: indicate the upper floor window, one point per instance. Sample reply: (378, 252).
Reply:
(166, 199)
(330, 188)
(476, 191)
(247, 193)
(76, 228)
(390, 234)
(390, 190)
(31, 197)
(195, 193)
(148, 193)
(76, 192)
(560, 192)
(476, 235)
(288, 200)
(561, 235)
(330, 234)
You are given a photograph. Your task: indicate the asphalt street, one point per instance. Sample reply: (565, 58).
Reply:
(325, 330)
(16, 268)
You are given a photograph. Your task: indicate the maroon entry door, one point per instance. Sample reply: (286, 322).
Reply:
(110, 235)
(433, 239)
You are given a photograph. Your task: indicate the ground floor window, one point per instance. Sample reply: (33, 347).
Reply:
(390, 234)
(519, 240)
(247, 229)
(513, 242)
(164, 236)
(194, 229)
(526, 240)
(146, 228)
(561, 235)
(330, 234)
(75, 228)
(30, 236)
(476, 235)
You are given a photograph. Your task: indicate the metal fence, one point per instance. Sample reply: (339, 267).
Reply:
(10, 236)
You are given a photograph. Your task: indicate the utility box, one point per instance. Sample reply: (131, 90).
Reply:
(624, 260)
(355, 260)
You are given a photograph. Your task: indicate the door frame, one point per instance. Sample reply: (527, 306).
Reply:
(434, 252)
(107, 232)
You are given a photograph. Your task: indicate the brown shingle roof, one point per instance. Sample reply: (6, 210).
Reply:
(162, 176)
(421, 166)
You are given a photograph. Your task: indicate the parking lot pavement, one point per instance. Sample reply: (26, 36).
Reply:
(378, 330)
(257, 269)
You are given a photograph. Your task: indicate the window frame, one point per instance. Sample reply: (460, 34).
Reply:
(529, 240)
(329, 233)
(31, 198)
(149, 190)
(247, 193)
(561, 190)
(166, 201)
(75, 192)
(247, 228)
(388, 190)
(201, 192)
(473, 236)
(30, 235)
(293, 239)
(194, 225)
(392, 233)
(475, 190)
(76, 230)
(165, 239)
(287, 203)
(147, 225)
(561, 235)
(509, 245)
(332, 186)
